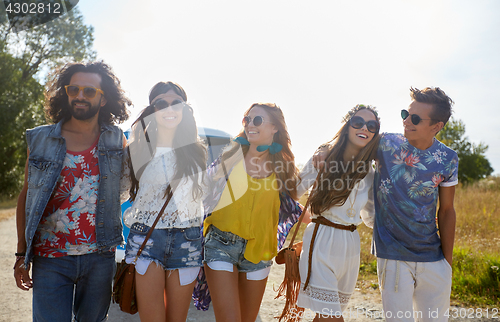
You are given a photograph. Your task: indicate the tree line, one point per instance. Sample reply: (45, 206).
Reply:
(25, 57)
(472, 163)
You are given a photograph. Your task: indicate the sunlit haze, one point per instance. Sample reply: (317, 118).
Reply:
(316, 60)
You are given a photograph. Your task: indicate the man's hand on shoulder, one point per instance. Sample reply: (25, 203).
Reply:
(320, 155)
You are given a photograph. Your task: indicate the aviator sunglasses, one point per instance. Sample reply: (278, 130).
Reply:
(176, 105)
(257, 121)
(415, 119)
(88, 91)
(358, 122)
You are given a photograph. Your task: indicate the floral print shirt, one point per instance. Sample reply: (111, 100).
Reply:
(67, 226)
(406, 195)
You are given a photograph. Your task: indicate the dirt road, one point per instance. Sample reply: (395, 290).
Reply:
(15, 305)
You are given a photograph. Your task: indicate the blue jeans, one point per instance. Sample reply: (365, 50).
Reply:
(79, 285)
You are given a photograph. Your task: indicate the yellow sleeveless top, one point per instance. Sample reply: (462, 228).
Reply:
(254, 216)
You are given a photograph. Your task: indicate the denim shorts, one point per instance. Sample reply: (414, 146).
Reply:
(171, 248)
(227, 247)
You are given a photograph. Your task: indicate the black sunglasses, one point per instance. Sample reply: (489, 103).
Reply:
(358, 122)
(257, 121)
(415, 119)
(176, 105)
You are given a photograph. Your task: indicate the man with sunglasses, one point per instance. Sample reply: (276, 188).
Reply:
(68, 212)
(414, 172)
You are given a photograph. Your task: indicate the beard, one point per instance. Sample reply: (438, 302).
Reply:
(84, 115)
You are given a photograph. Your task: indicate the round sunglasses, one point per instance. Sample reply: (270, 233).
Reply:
(358, 122)
(88, 91)
(257, 121)
(176, 105)
(415, 119)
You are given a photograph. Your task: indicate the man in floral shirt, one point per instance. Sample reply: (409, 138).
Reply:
(68, 212)
(415, 171)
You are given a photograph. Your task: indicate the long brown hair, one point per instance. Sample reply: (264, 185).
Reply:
(336, 182)
(190, 151)
(283, 162)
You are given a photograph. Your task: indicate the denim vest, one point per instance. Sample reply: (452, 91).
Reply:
(47, 153)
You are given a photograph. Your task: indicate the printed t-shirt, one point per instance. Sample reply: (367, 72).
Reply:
(406, 186)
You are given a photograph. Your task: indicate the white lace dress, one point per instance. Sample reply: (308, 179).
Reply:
(183, 210)
(335, 259)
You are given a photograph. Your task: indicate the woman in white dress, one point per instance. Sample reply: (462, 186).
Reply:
(342, 197)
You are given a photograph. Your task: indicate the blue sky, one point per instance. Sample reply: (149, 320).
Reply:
(316, 60)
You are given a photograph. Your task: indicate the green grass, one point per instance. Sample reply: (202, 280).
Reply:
(6, 204)
(368, 269)
(6, 209)
(476, 255)
(368, 262)
(476, 278)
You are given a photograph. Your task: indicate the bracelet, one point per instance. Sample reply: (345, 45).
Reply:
(326, 145)
(18, 258)
(21, 254)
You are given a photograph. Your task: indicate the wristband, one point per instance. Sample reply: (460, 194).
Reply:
(21, 254)
(18, 258)
(326, 145)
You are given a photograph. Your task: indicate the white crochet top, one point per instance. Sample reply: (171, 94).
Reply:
(183, 210)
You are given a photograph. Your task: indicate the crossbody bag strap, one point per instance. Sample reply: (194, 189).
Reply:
(313, 238)
(228, 183)
(308, 202)
(309, 198)
(169, 196)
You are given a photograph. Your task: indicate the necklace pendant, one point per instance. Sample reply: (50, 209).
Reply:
(351, 212)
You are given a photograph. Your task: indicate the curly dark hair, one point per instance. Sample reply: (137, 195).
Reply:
(56, 100)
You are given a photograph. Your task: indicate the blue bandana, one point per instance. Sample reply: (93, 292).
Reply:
(273, 148)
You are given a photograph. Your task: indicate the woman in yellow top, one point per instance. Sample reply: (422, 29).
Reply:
(254, 187)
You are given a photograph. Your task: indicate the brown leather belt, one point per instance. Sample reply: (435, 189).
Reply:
(320, 220)
(323, 221)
